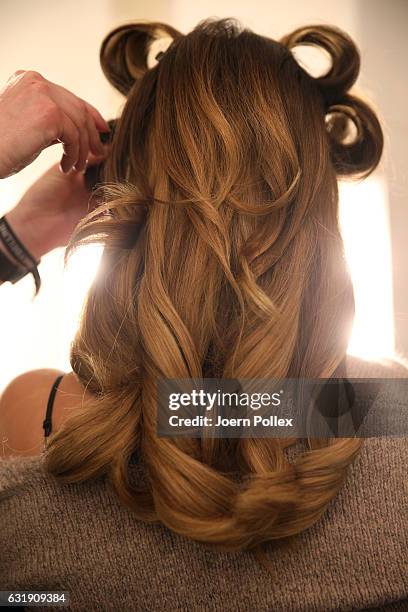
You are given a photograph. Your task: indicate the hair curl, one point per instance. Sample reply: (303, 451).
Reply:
(222, 258)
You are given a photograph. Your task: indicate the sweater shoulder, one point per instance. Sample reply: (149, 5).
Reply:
(17, 472)
(382, 368)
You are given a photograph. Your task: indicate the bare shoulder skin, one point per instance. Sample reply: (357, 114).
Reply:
(23, 405)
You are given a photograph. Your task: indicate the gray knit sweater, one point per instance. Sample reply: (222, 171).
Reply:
(79, 538)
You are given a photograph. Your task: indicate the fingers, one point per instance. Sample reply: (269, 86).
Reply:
(79, 153)
(100, 122)
(95, 144)
(87, 121)
(70, 141)
(83, 148)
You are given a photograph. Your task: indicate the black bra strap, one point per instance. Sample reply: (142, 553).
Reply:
(47, 424)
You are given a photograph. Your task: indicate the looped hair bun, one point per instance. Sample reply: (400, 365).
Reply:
(124, 52)
(344, 55)
(354, 132)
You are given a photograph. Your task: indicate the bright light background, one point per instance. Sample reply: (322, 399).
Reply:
(61, 40)
(365, 227)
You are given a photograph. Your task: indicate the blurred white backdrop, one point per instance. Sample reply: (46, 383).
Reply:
(61, 40)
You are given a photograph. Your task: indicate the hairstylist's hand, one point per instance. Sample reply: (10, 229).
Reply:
(50, 209)
(35, 113)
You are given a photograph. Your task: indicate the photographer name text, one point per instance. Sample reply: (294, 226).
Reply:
(253, 421)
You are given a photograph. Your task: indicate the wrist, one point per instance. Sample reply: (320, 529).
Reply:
(18, 261)
(31, 232)
(6, 252)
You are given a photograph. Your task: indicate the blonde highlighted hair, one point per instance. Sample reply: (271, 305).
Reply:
(222, 258)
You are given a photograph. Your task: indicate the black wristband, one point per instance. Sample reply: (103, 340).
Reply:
(15, 246)
(9, 271)
(18, 251)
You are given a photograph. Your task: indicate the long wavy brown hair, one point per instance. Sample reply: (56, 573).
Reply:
(222, 258)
